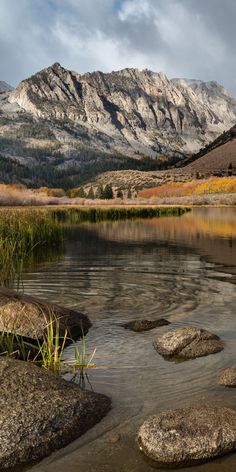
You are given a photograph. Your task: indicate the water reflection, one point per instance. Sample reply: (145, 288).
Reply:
(181, 269)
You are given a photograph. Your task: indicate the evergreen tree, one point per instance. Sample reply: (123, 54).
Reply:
(119, 193)
(108, 192)
(81, 193)
(91, 195)
(100, 192)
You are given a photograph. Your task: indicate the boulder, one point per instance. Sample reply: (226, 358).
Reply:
(28, 316)
(189, 435)
(40, 412)
(188, 343)
(145, 325)
(228, 377)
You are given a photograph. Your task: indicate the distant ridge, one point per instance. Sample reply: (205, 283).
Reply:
(4, 87)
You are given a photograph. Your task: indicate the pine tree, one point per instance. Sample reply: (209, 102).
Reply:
(100, 192)
(91, 195)
(119, 193)
(129, 194)
(108, 192)
(81, 193)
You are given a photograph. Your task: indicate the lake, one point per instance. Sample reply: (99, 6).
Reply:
(180, 268)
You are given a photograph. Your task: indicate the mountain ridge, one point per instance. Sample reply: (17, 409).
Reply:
(63, 128)
(140, 111)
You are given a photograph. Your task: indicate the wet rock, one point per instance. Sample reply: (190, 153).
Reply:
(188, 343)
(41, 412)
(189, 435)
(145, 325)
(28, 316)
(228, 377)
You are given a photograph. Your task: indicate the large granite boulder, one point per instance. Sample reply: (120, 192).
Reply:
(41, 412)
(189, 435)
(188, 343)
(28, 316)
(145, 325)
(228, 377)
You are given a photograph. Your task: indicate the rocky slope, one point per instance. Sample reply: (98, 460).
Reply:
(63, 128)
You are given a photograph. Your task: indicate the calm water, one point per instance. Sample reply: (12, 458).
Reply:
(183, 269)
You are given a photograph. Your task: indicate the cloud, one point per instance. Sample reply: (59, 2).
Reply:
(182, 38)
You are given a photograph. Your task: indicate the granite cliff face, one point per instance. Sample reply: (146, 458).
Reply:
(133, 112)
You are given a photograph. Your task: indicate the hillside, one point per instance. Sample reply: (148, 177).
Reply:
(218, 157)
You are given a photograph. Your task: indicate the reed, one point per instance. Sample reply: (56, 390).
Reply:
(97, 214)
(22, 232)
(50, 349)
(48, 352)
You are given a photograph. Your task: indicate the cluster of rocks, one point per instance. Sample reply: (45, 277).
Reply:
(188, 436)
(39, 411)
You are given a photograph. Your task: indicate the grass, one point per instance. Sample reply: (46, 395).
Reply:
(75, 215)
(22, 232)
(50, 349)
(48, 352)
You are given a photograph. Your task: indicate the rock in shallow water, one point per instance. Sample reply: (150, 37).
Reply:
(145, 325)
(28, 316)
(228, 377)
(188, 343)
(41, 412)
(188, 435)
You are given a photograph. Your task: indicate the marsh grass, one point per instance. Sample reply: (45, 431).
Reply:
(22, 233)
(90, 214)
(51, 347)
(15, 346)
(48, 351)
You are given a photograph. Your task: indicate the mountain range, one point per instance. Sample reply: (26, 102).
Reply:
(60, 127)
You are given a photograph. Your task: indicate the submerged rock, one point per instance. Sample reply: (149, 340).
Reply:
(145, 325)
(189, 435)
(28, 316)
(228, 377)
(188, 343)
(41, 412)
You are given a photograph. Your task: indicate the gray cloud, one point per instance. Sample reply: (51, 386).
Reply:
(182, 38)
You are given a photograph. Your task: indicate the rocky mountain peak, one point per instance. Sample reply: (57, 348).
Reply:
(138, 111)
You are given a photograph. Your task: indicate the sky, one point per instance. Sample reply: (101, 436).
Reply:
(181, 38)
